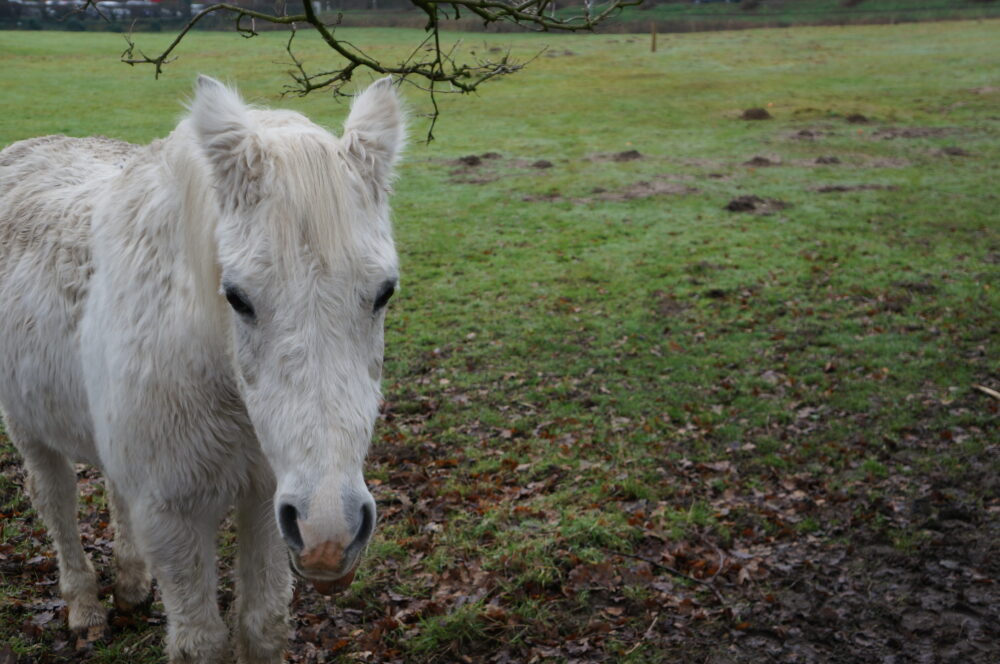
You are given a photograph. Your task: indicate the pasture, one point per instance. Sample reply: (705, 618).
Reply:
(661, 383)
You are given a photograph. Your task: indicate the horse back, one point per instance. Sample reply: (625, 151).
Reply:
(47, 190)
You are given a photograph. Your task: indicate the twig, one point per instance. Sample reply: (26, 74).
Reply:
(987, 391)
(676, 572)
(645, 636)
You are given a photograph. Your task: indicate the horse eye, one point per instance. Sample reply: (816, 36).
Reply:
(388, 288)
(238, 301)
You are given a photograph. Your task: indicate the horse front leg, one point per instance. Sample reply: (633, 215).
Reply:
(263, 580)
(52, 487)
(180, 548)
(132, 580)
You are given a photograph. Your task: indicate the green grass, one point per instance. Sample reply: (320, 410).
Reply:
(687, 16)
(576, 376)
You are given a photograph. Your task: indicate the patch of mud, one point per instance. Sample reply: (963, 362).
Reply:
(876, 604)
(667, 304)
(954, 151)
(889, 133)
(985, 90)
(662, 186)
(755, 114)
(838, 188)
(808, 134)
(484, 168)
(858, 160)
(559, 54)
(762, 162)
(756, 205)
(627, 155)
(857, 118)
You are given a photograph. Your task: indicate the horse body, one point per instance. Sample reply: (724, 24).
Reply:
(202, 319)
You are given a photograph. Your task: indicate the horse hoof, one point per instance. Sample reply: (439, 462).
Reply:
(86, 617)
(86, 637)
(130, 602)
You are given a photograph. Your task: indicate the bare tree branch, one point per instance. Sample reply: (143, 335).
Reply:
(430, 62)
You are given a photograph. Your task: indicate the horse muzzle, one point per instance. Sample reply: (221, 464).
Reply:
(318, 554)
(314, 566)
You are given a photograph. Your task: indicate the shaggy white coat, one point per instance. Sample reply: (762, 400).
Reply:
(118, 348)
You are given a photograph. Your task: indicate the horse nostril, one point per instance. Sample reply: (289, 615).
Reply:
(288, 523)
(367, 526)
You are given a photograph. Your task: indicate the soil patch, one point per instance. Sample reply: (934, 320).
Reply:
(889, 133)
(857, 118)
(762, 162)
(755, 114)
(756, 205)
(486, 167)
(955, 151)
(808, 134)
(827, 160)
(661, 186)
(667, 304)
(627, 155)
(837, 188)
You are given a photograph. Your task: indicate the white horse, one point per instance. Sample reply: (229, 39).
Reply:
(202, 319)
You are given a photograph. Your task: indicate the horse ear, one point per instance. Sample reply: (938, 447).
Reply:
(375, 131)
(224, 129)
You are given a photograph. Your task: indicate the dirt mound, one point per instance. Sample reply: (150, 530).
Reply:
(827, 160)
(808, 134)
(489, 167)
(627, 155)
(838, 188)
(755, 114)
(955, 151)
(756, 205)
(857, 118)
(761, 162)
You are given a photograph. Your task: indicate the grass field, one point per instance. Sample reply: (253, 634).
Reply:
(699, 390)
(687, 16)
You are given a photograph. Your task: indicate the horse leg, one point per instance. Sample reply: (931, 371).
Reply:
(132, 580)
(263, 579)
(52, 487)
(180, 548)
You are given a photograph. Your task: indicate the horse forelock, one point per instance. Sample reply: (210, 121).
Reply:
(312, 195)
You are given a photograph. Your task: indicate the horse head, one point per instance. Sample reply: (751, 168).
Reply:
(305, 265)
